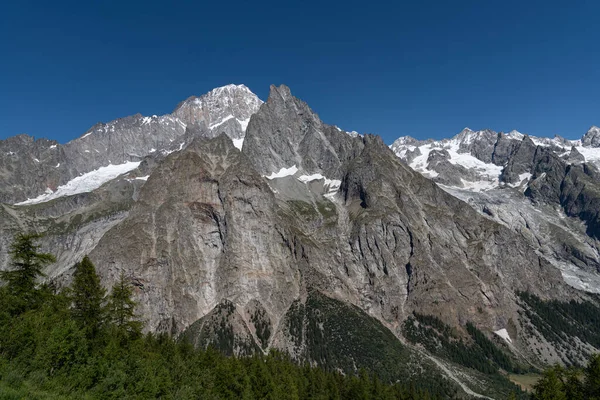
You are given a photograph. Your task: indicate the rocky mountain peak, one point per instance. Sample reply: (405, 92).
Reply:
(467, 136)
(591, 137)
(224, 105)
(286, 133)
(280, 93)
(28, 170)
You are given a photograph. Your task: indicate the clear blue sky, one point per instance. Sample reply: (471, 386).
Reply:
(426, 68)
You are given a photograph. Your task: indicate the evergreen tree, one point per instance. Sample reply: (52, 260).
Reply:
(592, 378)
(551, 385)
(121, 308)
(88, 297)
(27, 264)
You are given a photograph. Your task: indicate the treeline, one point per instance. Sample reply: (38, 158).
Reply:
(559, 322)
(480, 353)
(559, 383)
(83, 342)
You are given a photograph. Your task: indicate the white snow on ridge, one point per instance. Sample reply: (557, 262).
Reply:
(591, 154)
(227, 118)
(308, 178)
(238, 143)
(84, 183)
(327, 182)
(503, 333)
(283, 172)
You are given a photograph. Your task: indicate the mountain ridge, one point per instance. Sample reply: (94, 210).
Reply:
(245, 246)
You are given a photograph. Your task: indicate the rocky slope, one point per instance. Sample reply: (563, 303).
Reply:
(309, 239)
(546, 190)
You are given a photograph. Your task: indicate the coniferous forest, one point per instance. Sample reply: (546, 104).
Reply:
(86, 342)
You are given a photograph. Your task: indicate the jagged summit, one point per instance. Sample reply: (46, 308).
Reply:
(31, 172)
(591, 137)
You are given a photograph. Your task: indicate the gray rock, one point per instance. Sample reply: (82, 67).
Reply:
(520, 161)
(286, 132)
(28, 168)
(592, 137)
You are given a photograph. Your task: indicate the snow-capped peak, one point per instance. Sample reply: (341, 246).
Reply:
(514, 134)
(468, 136)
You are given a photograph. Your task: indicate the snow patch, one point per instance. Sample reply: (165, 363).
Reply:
(238, 143)
(332, 185)
(244, 123)
(227, 118)
(503, 333)
(308, 178)
(53, 146)
(84, 183)
(283, 172)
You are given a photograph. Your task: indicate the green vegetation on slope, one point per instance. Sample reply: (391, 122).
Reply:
(477, 352)
(571, 383)
(559, 321)
(81, 344)
(338, 336)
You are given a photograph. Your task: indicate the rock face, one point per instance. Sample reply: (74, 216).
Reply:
(207, 227)
(31, 167)
(544, 189)
(286, 132)
(592, 137)
(308, 228)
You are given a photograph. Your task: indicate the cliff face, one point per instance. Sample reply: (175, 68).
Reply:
(208, 228)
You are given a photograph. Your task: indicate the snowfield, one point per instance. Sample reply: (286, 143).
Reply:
(84, 183)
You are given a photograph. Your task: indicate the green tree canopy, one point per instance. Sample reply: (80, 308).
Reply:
(27, 264)
(121, 308)
(88, 297)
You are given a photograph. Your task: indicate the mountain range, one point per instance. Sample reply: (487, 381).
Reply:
(250, 225)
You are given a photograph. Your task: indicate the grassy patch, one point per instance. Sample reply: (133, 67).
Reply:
(525, 381)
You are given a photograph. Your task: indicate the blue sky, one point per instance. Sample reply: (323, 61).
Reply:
(425, 69)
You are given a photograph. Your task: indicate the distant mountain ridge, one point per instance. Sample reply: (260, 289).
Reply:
(29, 168)
(546, 189)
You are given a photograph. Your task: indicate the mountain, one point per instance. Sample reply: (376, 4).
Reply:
(251, 226)
(30, 168)
(546, 190)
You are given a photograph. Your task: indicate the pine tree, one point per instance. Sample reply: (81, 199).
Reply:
(121, 308)
(88, 297)
(27, 265)
(551, 385)
(592, 378)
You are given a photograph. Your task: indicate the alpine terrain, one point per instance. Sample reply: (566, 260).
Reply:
(252, 226)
